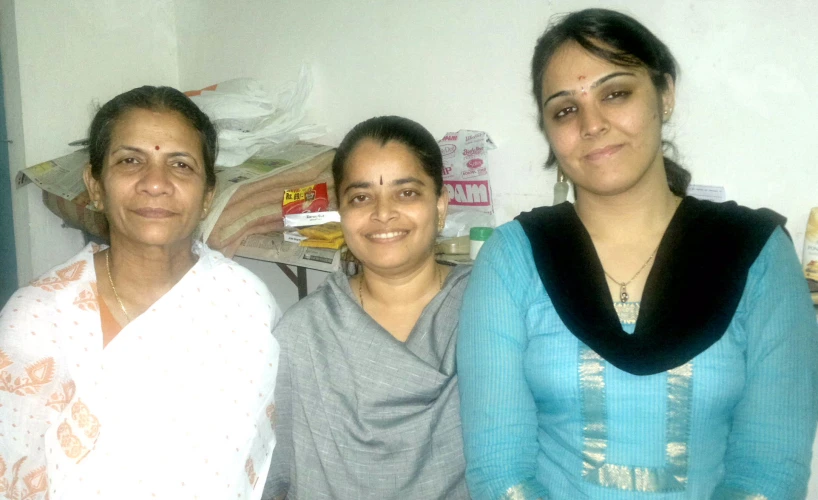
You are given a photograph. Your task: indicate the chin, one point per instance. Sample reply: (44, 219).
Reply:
(393, 262)
(163, 239)
(611, 187)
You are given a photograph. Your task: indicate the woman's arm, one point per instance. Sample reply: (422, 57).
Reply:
(278, 479)
(498, 410)
(32, 393)
(773, 426)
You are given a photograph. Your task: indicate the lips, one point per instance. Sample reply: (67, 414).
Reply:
(602, 153)
(387, 236)
(154, 213)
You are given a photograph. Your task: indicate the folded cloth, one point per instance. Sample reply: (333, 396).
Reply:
(255, 208)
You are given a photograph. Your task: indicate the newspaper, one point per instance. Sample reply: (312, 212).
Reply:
(272, 248)
(61, 176)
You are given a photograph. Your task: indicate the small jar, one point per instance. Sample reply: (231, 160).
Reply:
(478, 236)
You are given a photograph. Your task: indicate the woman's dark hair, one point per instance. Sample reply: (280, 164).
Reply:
(619, 39)
(154, 99)
(383, 129)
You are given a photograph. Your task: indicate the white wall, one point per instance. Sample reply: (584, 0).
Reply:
(745, 116)
(59, 59)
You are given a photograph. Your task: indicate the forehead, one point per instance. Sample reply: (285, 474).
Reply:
(138, 127)
(369, 161)
(572, 66)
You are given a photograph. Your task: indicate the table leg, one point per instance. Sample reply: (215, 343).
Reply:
(301, 283)
(299, 279)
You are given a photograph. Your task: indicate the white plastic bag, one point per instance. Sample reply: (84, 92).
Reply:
(249, 119)
(466, 177)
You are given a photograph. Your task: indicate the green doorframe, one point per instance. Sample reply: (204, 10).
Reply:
(8, 253)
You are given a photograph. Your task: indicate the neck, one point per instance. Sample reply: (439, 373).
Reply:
(405, 289)
(639, 212)
(143, 274)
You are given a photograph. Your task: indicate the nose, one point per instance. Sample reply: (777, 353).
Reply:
(384, 209)
(593, 121)
(155, 179)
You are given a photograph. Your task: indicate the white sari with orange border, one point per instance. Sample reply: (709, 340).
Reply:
(177, 406)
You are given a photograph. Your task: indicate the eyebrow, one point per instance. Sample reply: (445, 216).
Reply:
(357, 185)
(140, 150)
(593, 85)
(396, 182)
(407, 180)
(128, 148)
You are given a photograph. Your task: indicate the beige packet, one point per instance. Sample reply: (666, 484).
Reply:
(811, 250)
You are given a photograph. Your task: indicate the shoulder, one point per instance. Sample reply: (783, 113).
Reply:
(39, 305)
(62, 280)
(229, 272)
(236, 280)
(723, 240)
(730, 215)
(506, 261)
(777, 261)
(458, 277)
(547, 218)
(77, 269)
(319, 307)
(508, 247)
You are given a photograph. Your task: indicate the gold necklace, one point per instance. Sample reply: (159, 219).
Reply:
(361, 285)
(623, 291)
(111, 281)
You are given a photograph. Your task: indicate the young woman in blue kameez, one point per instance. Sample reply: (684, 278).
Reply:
(637, 343)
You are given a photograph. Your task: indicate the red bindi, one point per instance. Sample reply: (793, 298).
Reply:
(582, 77)
(156, 148)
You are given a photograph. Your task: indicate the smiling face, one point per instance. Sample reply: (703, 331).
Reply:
(604, 121)
(389, 208)
(152, 186)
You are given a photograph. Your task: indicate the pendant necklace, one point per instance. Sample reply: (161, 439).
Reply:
(111, 281)
(623, 291)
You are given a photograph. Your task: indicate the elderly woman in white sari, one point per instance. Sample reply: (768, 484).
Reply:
(145, 369)
(367, 402)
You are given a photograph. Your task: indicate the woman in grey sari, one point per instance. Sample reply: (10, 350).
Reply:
(366, 397)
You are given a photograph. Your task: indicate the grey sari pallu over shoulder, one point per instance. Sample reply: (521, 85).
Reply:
(360, 414)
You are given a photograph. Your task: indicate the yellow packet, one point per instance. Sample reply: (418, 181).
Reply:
(318, 243)
(328, 231)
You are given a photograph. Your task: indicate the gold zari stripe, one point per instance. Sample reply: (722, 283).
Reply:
(671, 477)
(519, 492)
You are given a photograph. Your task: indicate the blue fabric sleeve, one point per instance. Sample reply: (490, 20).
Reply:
(499, 415)
(773, 428)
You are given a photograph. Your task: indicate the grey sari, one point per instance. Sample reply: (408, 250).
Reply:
(361, 414)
